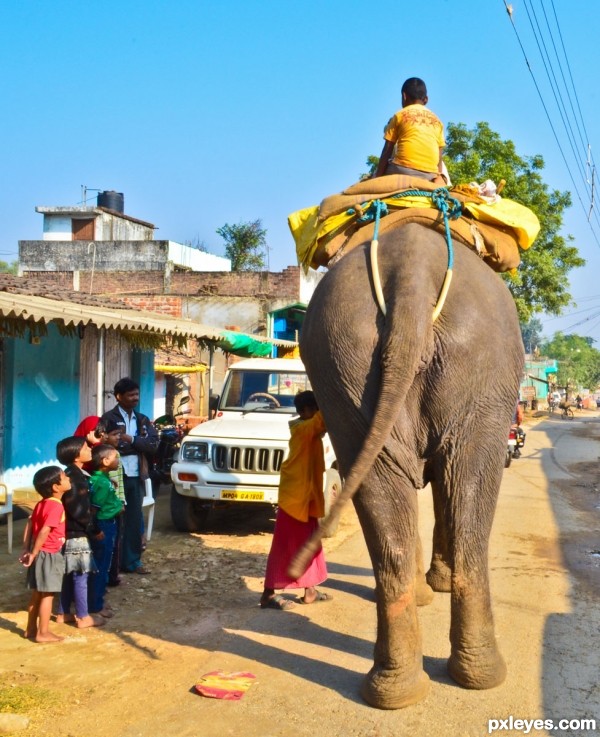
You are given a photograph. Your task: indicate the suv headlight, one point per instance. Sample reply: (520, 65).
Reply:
(191, 451)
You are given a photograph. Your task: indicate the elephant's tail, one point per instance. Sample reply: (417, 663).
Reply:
(402, 355)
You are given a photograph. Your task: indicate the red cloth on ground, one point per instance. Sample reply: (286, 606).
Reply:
(289, 536)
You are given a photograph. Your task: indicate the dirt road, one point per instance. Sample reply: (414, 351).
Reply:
(198, 612)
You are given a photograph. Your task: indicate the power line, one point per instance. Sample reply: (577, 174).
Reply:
(587, 138)
(587, 213)
(549, 69)
(572, 314)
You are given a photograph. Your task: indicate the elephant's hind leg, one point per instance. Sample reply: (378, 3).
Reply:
(439, 575)
(387, 508)
(424, 592)
(475, 661)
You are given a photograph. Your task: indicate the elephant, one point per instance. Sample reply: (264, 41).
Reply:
(409, 401)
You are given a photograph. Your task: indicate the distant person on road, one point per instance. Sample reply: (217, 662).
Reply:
(42, 556)
(300, 505)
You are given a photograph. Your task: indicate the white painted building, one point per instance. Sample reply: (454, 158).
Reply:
(104, 238)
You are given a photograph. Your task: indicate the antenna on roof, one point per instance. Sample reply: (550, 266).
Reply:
(84, 191)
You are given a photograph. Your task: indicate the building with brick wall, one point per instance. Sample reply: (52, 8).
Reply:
(103, 238)
(102, 251)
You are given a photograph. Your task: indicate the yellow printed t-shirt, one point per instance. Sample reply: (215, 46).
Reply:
(418, 134)
(301, 480)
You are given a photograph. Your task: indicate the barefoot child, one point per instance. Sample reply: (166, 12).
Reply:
(106, 507)
(45, 561)
(110, 434)
(74, 453)
(301, 503)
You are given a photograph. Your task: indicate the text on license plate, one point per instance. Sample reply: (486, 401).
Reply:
(243, 496)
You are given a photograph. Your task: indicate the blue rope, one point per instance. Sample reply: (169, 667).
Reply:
(450, 208)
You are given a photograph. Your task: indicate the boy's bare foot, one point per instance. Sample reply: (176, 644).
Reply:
(92, 620)
(64, 618)
(48, 637)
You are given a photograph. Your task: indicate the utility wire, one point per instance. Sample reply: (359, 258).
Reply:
(570, 73)
(590, 157)
(584, 155)
(558, 98)
(582, 140)
(574, 313)
(542, 48)
(560, 148)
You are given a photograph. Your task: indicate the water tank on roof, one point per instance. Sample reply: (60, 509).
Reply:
(112, 200)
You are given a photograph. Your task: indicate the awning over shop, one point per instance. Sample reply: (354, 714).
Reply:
(245, 345)
(18, 312)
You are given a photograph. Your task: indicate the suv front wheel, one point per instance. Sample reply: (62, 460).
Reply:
(188, 514)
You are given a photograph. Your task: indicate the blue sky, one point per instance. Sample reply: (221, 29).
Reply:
(211, 113)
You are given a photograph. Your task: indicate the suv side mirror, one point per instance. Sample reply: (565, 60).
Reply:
(213, 402)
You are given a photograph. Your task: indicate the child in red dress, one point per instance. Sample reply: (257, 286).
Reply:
(43, 557)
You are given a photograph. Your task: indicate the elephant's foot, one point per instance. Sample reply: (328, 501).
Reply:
(390, 689)
(423, 592)
(477, 669)
(439, 576)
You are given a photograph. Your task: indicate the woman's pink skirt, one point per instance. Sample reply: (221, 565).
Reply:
(289, 536)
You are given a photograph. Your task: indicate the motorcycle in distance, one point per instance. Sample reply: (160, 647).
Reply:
(170, 434)
(516, 440)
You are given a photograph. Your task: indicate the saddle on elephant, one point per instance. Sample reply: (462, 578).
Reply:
(325, 233)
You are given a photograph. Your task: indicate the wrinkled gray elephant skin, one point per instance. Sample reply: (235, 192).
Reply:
(408, 402)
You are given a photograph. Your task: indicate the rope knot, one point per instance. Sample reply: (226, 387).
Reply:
(374, 211)
(449, 206)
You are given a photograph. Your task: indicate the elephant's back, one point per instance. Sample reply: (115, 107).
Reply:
(477, 327)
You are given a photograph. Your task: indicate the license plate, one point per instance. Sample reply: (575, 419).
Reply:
(243, 496)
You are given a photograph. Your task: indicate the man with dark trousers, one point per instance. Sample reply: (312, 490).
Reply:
(138, 440)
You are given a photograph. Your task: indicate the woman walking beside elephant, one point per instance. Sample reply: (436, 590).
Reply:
(301, 503)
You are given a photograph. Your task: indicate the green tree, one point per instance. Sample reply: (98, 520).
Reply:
(531, 332)
(372, 164)
(540, 284)
(245, 245)
(578, 360)
(9, 268)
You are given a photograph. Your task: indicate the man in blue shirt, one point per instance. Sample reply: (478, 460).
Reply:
(139, 440)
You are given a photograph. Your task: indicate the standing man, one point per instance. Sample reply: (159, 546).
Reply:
(138, 440)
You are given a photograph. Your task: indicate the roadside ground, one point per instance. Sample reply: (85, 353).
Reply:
(198, 612)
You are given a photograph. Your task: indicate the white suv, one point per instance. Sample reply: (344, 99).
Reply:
(235, 458)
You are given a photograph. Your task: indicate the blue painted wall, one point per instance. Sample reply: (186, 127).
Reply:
(41, 399)
(142, 371)
(41, 386)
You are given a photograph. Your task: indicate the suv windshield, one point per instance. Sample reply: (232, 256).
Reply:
(263, 391)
